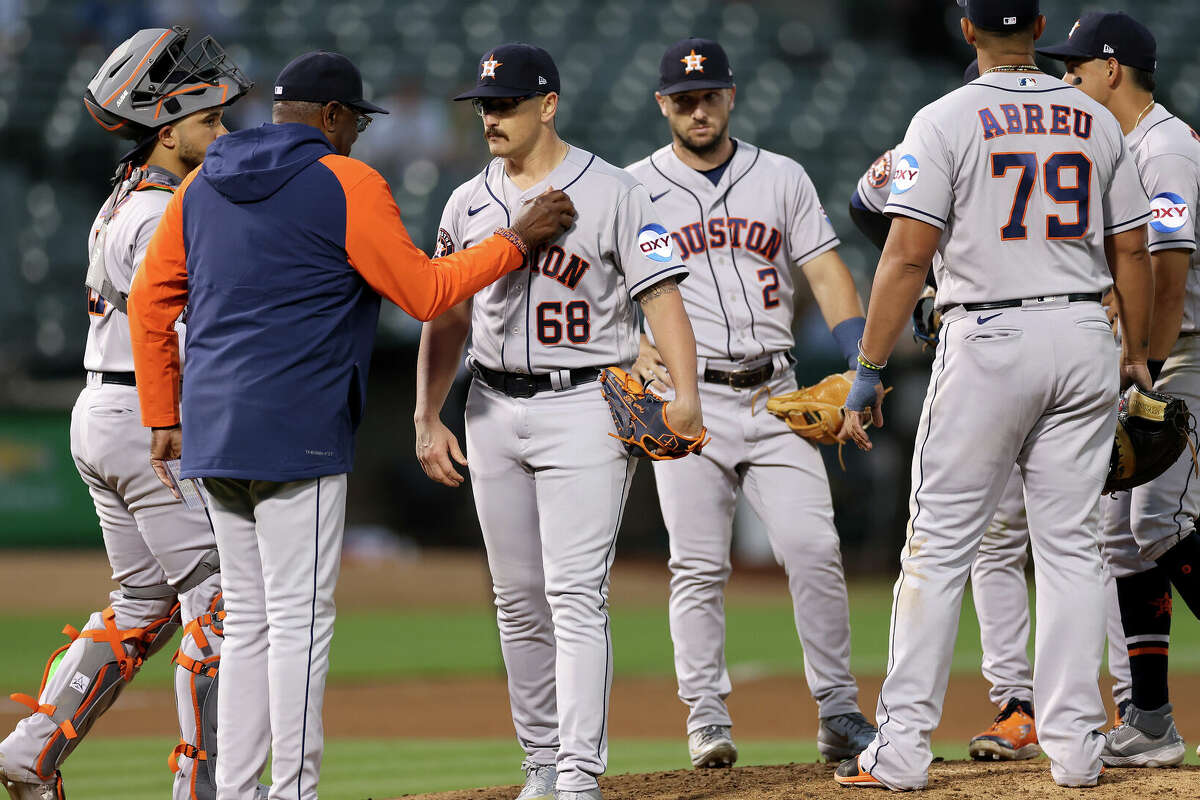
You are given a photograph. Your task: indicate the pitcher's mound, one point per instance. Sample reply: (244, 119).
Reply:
(953, 780)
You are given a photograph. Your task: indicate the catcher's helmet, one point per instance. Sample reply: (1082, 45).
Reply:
(154, 79)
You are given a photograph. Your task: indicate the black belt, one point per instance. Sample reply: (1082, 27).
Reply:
(742, 378)
(119, 378)
(515, 384)
(1079, 297)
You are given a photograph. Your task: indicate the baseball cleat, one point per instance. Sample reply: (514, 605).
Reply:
(850, 773)
(1011, 737)
(712, 746)
(844, 736)
(539, 781)
(1146, 739)
(590, 794)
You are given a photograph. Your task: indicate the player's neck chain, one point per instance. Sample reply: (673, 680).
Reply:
(1012, 68)
(1145, 111)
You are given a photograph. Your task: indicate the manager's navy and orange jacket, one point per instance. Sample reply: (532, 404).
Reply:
(280, 250)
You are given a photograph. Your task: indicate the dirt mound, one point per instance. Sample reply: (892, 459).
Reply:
(953, 780)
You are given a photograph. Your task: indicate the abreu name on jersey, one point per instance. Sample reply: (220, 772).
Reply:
(729, 232)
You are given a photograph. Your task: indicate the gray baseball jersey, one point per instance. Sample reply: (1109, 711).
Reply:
(1167, 153)
(130, 226)
(740, 238)
(571, 306)
(1042, 171)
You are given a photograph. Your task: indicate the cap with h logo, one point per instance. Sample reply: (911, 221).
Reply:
(1112, 35)
(514, 70)
(323, 77)
(694, 64)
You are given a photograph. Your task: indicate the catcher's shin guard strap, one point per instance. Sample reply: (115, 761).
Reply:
(209, 565)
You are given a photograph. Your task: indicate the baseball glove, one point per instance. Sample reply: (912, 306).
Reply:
(641, 420)
(926, 319)
(815, 412)
(1152, 430)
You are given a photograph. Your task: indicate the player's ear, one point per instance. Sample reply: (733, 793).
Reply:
(1039, 27)
(549, 106)
(167, 138)
(732, 96)
(662, 103)
(1112, 69)
(968, 31)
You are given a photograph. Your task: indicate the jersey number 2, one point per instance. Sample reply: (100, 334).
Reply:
(1078, 193)
(551, 321)
(769, 278)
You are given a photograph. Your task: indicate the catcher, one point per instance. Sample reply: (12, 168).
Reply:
(724, 203)
(163, 555)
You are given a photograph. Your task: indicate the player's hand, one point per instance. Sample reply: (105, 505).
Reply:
(684, 416)
(854, 423)
(649, 367)
(545, 217)
(1135, 372)
(1109, 301)
(437, 450)
(166, 444)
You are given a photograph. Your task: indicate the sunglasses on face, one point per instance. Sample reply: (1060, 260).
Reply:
(498, 106)
(361, 120)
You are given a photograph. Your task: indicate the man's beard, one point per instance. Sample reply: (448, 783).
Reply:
(704, 149)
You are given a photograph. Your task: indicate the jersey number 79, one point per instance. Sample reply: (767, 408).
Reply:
(1078, 193)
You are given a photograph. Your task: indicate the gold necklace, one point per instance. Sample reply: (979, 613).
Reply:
(1012, 68)
(1144, 112)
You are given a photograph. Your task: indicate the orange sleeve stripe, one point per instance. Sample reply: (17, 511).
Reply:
(1148, 651)
(156, 299)
(379, 247)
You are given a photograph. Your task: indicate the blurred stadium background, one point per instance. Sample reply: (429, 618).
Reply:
(828, 82)
(831, 83)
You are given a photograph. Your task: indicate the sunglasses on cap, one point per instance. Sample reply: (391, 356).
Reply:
(500, 106)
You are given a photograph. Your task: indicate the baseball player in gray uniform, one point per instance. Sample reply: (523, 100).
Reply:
(549, 483)
(742, 218)
(1148, 532)
(998, 573)
(163, 555)
(1026, 358)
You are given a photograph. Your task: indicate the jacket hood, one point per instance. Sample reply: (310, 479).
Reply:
(251, 165)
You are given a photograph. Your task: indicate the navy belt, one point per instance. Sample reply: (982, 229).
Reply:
(118, 378)
(515, 384)
(1079, 297)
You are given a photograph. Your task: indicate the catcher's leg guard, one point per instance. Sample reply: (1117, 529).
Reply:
(82, 679)
(196, 676)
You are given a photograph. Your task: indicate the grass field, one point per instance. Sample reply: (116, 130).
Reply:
(380, 645)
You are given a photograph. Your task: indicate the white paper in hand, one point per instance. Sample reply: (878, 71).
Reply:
(189, 489)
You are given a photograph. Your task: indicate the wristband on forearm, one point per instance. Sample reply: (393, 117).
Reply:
(847, 334)
(862, 392)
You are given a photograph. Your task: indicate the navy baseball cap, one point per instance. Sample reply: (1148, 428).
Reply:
(1108, 35)
(323, 77)
(514, 70)
(1001, 15)
(694, 64)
